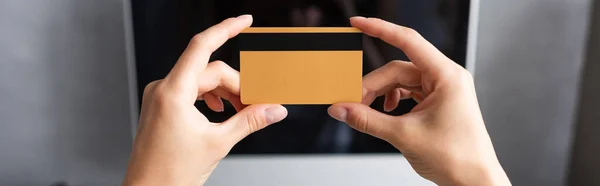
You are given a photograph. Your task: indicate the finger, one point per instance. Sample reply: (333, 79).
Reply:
(219, 74)
(391, 100)
(418, 97)
(252, 119)
(221, 80)
(422, 53)
(196, 55)
(214, 102)
(364, 119)
(232, 98)
(222, 93)
(395, 74)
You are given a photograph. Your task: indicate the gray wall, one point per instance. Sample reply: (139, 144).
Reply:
(585, 165)
(64, 101)
(64, 106)
(529, 57)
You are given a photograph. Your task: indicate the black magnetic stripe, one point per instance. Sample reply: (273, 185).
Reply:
(299, 41)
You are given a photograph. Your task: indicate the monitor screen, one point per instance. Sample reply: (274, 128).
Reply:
(163, 28)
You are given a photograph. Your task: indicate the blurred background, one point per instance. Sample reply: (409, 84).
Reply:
(66, 103)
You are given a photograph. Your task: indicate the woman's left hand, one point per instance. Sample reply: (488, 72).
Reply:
(175, 144)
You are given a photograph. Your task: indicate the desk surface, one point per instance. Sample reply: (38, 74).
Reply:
(332, 170)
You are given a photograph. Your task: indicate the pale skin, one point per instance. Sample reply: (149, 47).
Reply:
(443, 138)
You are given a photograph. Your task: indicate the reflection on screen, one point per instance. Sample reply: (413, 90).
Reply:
(163, 28)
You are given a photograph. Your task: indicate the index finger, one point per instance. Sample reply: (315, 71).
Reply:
(422, 53)
(395, 74)
(196, 55)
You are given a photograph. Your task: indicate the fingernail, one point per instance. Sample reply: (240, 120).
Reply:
(339, 113)
(357, 18)
(275, 114)
(245, 16)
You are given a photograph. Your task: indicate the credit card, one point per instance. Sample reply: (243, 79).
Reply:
(300, 65)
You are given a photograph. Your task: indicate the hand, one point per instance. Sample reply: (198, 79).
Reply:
(444, 136)
(175, 143)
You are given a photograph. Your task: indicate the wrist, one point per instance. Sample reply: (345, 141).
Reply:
(490, 174)
(148, 167)
(180, 176)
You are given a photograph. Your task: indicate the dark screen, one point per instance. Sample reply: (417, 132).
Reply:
(163, 28)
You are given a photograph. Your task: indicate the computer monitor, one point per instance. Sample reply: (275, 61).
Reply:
(308, 143)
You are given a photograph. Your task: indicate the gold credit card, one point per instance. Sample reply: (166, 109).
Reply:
(300, 65)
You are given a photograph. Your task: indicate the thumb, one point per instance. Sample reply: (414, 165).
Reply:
(363, 118)
(252, 119)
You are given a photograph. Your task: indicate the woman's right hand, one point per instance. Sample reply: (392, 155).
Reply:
(444, 137)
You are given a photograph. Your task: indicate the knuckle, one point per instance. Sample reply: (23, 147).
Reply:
(226, 33)
(254, 122)
(410, 32)
(392, 66)
(396, 65)
(219, 69)
(362, 122)
(160, 93)
(368, 91)
(150, 87)
(377, 32)
(459, 77)
(197, 39)
(219, 65)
